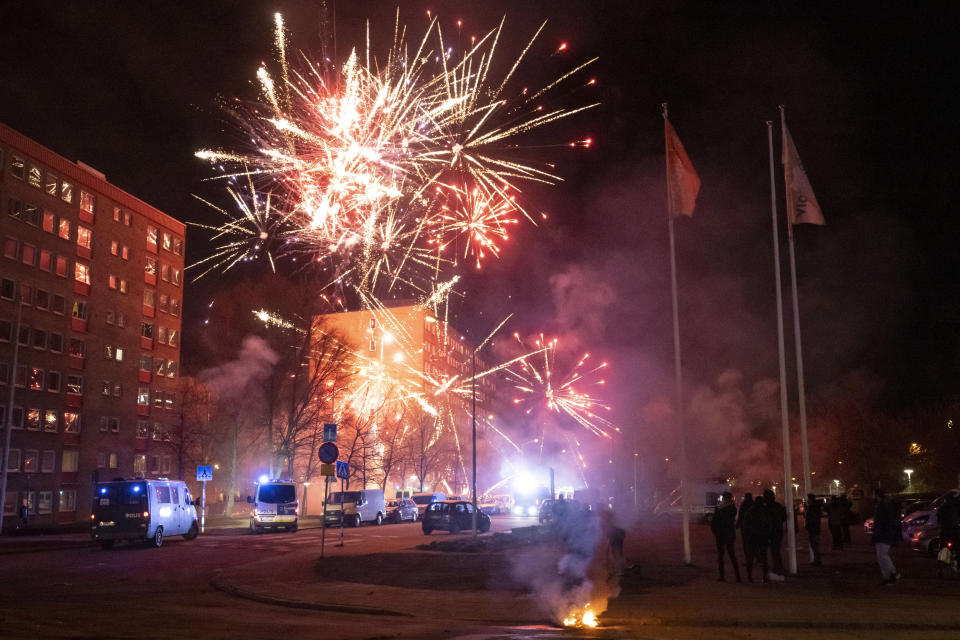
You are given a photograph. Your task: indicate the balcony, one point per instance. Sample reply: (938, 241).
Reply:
(78, 324)
(76, 362)
(146, 343)
(74, 400)
(83, 252)
(85, 215)
(150, 278)
(143, 410)
(144, 376)
(81, 288)
(149, 312)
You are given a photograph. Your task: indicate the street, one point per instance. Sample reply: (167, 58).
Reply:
(232, 584)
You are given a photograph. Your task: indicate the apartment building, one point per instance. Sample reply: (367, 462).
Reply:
(91, 293)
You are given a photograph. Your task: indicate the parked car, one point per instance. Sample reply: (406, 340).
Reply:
(352, 508)
(921, 528)
(424, 499)
(402, 509)
(453, 516)
(274, 506)
(142, 510)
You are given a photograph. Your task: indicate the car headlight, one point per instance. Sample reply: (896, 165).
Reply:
(518, 511)
(531, 511)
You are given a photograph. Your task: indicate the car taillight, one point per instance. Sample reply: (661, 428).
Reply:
(92, 517)
(146, 514)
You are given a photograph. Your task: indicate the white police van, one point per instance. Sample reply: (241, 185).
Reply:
(142, 510)
(274, 506)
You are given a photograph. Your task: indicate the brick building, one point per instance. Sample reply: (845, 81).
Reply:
(96, 276)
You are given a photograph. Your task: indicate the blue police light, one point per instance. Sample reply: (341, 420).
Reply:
(103, 490)
(264, 479)
(136, 488)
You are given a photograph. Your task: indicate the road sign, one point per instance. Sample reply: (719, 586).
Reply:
(204, 473)
(329, 432)
(328, 452)
(343, 470)
(329, 470)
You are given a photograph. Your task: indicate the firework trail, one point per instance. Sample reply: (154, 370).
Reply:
(350, 153)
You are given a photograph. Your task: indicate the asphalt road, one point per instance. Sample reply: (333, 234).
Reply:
(135, 591)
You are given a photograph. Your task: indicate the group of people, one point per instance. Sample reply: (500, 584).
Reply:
(761, 523)
(839, 512)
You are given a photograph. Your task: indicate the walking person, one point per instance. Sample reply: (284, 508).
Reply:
(755, 529)
(835, 522)
(847, 506)
(886, 528)
(776, 516)
(811, 518)
(724, 527)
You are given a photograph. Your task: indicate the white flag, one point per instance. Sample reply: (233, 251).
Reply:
(802, 206)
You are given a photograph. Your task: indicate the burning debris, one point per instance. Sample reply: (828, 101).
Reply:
(574, 590)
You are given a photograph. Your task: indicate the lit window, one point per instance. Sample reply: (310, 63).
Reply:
(45, 260)
(51, 421)
(81, 272)
(68, 501)
(51, 184)
(174, 306)
(165, 272)
(18, 167)
(149, 298)
(75, 384)
(171, 369)
(172, 339)
(35, 176)
(30, 460)
(143, 429)
(151, 266)
(112, 281)
(127, 219)
(164, 303)
(87, 201)
(49, 222)
(143, 396)
(123, 285)
(29, 254)
(78, 348)
(139, 465)
(114, 247)
(175, 279)
(152, 237)
(71, 422)
(118, 352)
(61, 268)
(178, 246)
(80, 310)
(167, 241)
(70, 461)
(64, 229)
(117, 214)
(117, 390)
(11, 248)
(36, 379)
(106, 390)
(162, 335)
(125, 252)
(33, 420)
(84, 237)
(66, 191)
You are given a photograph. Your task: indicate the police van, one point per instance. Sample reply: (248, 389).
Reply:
(142, 510)
(274, 505)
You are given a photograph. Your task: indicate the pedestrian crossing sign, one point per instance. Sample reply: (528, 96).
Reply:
(204, 473)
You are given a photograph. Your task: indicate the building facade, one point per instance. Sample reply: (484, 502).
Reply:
(91, 293)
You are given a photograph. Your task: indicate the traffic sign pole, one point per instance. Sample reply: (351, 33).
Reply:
(203, 508)
(323, 526)
(343, 521)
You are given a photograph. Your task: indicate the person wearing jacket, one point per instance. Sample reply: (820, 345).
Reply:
(776, 516)
(724, 527)
(811, 517)
(835, 522)
(886, 528)
(755, 527)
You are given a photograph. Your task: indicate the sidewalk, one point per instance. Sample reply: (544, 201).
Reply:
(844, 594)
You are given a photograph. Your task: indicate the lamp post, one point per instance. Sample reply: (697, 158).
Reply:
(909, 473)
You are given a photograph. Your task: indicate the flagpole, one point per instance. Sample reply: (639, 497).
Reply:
(798, 345)
(678, 413)
(787, 473)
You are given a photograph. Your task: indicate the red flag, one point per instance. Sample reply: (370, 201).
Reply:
(683, 183)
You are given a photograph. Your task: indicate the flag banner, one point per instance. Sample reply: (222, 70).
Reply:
(802, 206)
(683, 183)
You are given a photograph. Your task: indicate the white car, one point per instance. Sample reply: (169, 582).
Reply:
(274, 506)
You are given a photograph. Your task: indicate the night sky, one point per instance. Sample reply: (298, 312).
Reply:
(131, 88)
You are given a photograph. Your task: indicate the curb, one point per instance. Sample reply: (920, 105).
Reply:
(239, 592)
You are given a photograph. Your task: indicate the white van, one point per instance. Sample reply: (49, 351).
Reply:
(366, 505)
(142, 510)
(423, 500)
(275, 506)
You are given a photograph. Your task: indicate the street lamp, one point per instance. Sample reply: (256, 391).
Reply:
(909, 473)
